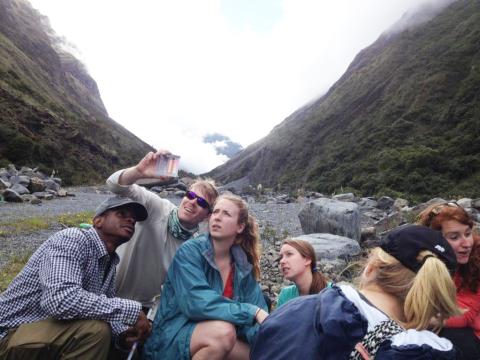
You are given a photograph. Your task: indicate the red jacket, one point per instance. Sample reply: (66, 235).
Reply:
(469, 301)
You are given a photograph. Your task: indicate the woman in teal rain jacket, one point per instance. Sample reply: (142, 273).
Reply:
(211, 303)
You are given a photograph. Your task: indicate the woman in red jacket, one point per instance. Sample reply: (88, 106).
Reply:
(456, 226)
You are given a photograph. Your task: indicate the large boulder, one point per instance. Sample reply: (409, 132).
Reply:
(476, 204)
(26, 171)
(331, 216)
(51, 185)
(385, 203)
(20, 189)
(329, 247)
(389, 222)
(36, 185)
(367, 203)
(465, 203)
(400, 203)
(12, 196)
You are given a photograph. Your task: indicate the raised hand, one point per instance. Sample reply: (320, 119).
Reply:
(146, 168)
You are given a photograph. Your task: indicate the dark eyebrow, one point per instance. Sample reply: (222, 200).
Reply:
(453, 233)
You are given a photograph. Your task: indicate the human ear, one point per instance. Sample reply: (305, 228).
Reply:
(369, 272)
(98, 221)
(240, 229)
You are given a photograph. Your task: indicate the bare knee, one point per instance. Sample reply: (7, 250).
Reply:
(213, 338)
(224, 336)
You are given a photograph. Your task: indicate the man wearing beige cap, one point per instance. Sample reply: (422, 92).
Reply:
(63, 304)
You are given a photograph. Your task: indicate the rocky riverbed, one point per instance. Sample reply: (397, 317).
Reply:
(360, 221)
(274, 219)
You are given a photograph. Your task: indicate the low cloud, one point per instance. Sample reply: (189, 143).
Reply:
(419, 15)
(173, 71)
(195, 155)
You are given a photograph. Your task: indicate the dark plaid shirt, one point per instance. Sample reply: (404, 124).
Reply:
(71, 276)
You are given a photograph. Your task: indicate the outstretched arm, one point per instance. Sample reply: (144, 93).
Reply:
(144, 169)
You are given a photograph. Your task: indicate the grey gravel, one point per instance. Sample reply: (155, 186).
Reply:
(282, 218)
(85, 199)
(279, 219)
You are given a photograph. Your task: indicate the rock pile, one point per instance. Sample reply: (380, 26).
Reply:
(28, 185)
(169, 188)
(340, 229)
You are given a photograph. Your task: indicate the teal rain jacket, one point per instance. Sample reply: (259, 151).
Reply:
(193, 293)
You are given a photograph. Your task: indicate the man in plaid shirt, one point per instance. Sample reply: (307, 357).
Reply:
(63, 304)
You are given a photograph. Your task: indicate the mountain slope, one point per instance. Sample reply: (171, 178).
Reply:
(51, 113)
(404, 119)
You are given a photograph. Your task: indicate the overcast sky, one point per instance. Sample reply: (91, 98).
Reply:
(173, 71)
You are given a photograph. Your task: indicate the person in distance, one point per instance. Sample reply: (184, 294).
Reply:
(298, 263)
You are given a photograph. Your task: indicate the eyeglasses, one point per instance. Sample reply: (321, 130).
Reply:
(437, 209)
(200, 201)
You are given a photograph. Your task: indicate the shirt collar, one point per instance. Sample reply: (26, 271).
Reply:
(100, 247)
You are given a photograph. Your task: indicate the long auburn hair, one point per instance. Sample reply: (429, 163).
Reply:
(249, 238)
(434, 216)
(319, 282)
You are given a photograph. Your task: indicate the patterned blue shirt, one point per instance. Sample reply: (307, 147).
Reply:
(70, 276)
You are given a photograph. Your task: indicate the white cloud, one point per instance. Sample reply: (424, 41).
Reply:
(173, 71)
(219, 144)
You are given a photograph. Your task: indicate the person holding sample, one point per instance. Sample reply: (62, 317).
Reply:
(144, 261)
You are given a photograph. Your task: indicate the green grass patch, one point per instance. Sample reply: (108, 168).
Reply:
(11, 270)
(72, 220)
(36, 223)
(24, 225)
(16, 263)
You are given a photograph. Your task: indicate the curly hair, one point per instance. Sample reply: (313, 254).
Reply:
(434, 216)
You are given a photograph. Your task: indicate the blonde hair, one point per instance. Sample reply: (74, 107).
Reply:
(249, 238)
(208, 187)
(423, 295)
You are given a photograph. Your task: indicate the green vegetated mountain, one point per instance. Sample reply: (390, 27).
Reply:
(51, 113)
(404, 120)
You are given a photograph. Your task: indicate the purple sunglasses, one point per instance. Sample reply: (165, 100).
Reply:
(200, 201)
